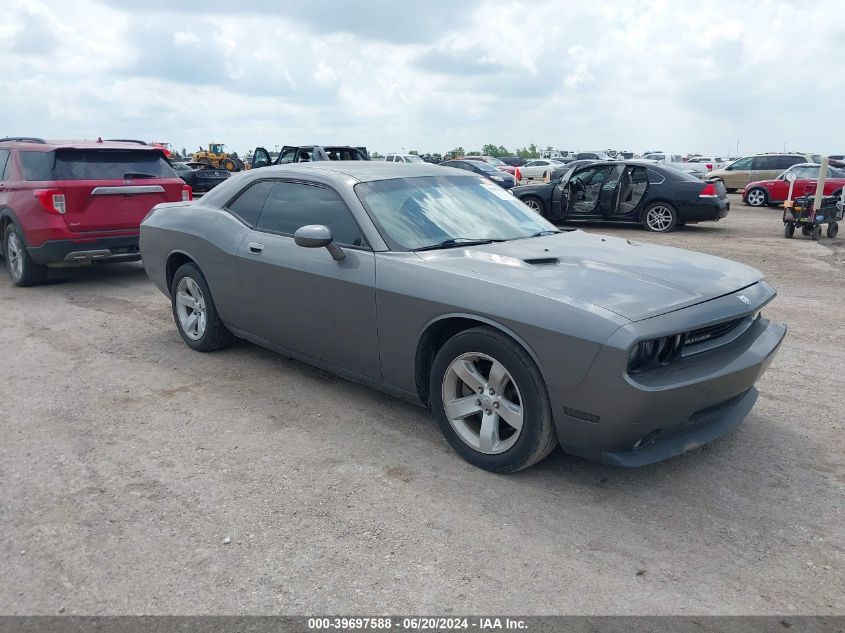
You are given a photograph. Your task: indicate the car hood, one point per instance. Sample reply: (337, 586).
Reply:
(631, 279)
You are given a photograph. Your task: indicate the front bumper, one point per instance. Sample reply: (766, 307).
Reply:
(627, 420)
(85, 251)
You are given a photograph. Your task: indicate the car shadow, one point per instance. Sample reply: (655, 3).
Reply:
(96, 273)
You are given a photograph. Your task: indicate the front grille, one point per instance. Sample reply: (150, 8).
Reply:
(711, 332)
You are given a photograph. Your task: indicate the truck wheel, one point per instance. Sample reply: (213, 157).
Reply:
(832, 229)
(230, 165)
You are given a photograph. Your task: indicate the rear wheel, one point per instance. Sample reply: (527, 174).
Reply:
(490, 401)
(535, 204)
(194, 311)
(230, 165)
(788, 230)
(660, 217)
(832, 229)
(817, 232)
(757, 197)
(23, 271)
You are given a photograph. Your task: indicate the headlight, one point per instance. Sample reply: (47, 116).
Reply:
(656, 352)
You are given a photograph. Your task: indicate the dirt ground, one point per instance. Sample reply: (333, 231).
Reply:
(126, 460)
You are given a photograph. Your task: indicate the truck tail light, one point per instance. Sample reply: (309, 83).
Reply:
(709, 191)
(187, 193)
(53, 200)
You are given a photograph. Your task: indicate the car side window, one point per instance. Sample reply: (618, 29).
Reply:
(4, 163)
(742, 163)
(247, 206)
(292, 205)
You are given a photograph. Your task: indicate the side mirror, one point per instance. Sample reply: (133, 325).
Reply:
(318, 236)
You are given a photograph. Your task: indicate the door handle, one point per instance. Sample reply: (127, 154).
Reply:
(255, 248)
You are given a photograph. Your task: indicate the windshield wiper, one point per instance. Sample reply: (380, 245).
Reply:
(456, 241)
(137, 174)
(545, 232)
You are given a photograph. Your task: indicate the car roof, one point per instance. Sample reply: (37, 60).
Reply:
(360, 170)
(48, 145)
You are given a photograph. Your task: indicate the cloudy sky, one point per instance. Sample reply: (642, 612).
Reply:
(685, 76)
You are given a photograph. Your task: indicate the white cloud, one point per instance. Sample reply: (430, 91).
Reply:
(626, 75)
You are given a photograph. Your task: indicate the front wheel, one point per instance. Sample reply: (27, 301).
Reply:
(196, 315)
(23, 271)
(832, 229)
(535, 204)
(660, 217)
(817, 232)
(757, 197)
(788, 230)
(491, 402)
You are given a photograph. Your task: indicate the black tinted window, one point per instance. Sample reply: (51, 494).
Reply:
(293, 205)
(36, 165)
(247, 206)
(101, 164)
(4, 159)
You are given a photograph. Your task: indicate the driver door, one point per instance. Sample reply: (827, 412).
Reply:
(261, 158)
(302, 299)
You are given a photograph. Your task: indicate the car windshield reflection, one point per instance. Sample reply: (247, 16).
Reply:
(414, 213)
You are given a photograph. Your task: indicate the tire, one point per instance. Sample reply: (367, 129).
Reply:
(660, 217)
(817, 232)
(521, 391)
(806, 231)
(832, 229)
(788, 230)
(230, 165)
(207, 332)
(536, 204)
(757, 197)
(23, 271)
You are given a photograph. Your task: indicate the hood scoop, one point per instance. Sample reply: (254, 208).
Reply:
(542, 261)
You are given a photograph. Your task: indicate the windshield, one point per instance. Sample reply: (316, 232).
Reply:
(413, 158)
(414, 213)
(102, 164)
(495, 161)
(485, 166)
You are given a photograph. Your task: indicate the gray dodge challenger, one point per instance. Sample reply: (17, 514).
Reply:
(435, 285)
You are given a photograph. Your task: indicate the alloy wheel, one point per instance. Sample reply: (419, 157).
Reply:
(659, 218)
(532, 204)
(14, 255)
(482, 403)
(756, 198)
(191, 309)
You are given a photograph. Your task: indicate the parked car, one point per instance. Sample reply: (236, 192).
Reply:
(513, 161)
(498, 164)
(764, 192)
(454, 295)
(501, 178)
(403, 158)
(539, 168)
(307, 153)
(677, 161)
(710, 162)
(657, 196)
(837, 160)
(70, 203)
(593, 156)
(200, 176)
(740, 172)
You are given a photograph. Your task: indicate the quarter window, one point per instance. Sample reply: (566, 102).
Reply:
(292, 205)
(247, 206)
(4, 160)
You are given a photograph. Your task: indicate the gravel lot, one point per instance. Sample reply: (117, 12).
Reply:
(126, 460)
